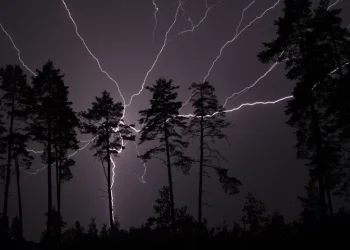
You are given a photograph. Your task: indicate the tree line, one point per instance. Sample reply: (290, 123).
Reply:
(312, 43)
(41, 112)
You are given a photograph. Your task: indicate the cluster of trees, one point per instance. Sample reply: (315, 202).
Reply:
(316, 50)
(41, 112)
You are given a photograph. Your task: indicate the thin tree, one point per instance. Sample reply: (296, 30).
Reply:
(46, 112)
(16, 107)
(3, 220)
(161, 123)
(207, 125)
(64, 139)
(22, 159)
(104, 121)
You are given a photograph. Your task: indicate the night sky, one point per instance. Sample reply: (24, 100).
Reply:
(261, 151)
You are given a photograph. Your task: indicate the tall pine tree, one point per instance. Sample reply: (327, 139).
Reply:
(104, 121)
(208, 128)
(64, 138)
(46, 111)
(161, 122)
(15, 99)
(308, 56)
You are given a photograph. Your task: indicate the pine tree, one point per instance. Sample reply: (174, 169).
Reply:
(104, 121)
(161, 123)
(309, 56)
(64, 139)
(334, 49)
(15, 101)
(44, 119)
(208, 128)
(22, 159)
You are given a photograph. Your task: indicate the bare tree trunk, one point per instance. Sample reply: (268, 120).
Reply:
(329, 195)
(8, 168)
(58, 193)
(200, 190)
(320, 162)
(110, 205)
(49, 181)
(58, 186)
(19, 197)
(170, 178)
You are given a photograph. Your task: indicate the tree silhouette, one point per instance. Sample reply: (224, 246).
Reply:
(3, 220)
(184, 222)
(306, 49)
(255, 214)
(208, 128)
(46, 87)
(15, 103)
(104, 121)
(64, 138)
(160, 123)
(311, 210)
(334, 49)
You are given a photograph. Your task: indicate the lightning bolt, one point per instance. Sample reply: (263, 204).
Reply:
(241, 106)
(35, 151)
(82, 148)
(18, 51)
(251, 86)
(89, 51)
(142, 177)
(37, 171)
(112, 183)
(242, 16)
(333, 4)
(256, 82)
(69, 156)
(155, 17)
(193, 27)
(238, 35)
(157, 57)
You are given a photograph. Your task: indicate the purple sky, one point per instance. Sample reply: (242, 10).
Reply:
(119, 33)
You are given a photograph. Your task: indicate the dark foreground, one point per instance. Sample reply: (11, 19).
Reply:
(275, 233)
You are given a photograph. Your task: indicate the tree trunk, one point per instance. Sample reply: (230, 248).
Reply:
(200, 189)
(58, 193)
(316, 129)
(329, 195)
(170, 178)
(58, 186)
(19, 197)
(320, 162)
(8, 168)
(110, 205)
(49, 181)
